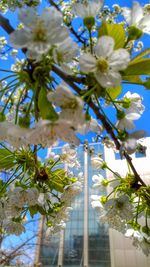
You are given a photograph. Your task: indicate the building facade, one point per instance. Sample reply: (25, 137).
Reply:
(86, 241)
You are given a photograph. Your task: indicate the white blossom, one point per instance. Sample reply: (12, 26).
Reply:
(14, 228)
(88, 9)
(32, 195)
(140, 240)
(99, 182)
(132, 141)
(69, 156)
(47, 132)
(136, 17)
(135, 103)
(91, 125)
(127, 121)
(40, 33)
(119, 206)
(71, 105)
(65, 51)
(96, 204)
(106, 63)
(96, 162)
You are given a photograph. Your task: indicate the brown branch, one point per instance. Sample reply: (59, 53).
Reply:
(4, 23)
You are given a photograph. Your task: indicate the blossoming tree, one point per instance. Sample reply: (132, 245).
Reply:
(76, 55)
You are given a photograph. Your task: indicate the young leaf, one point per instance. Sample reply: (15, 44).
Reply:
(114, 92)
(133, 79)
(7, 159)
(144, 53)
(116, 31)
(46, 109)
(138, 67)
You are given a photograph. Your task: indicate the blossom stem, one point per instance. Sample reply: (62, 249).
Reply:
(91, 43)
(115, 173)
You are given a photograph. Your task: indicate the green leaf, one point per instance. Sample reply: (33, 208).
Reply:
(33, 210)
(7, 159)
(116, 31)
(41, 210)
(133, 79)
(58, 186)
(114, 92)
(144, 53)
(147, 84)
(46, 109)
(138, 67)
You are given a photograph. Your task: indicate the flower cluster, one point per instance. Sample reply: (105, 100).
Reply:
(123, 208)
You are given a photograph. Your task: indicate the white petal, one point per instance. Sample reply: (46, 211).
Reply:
(119, 59)
(110, 79)
(96, 204)
(20, 38)
(145, 24)
(129, 232)
(87, 63)
(28, 16)
(95, 198)
(125, 123)
(97, 178)
(127, 14)
(137, 13)
(138, 134)
(51, 15)
(133, 116)
(104, 47)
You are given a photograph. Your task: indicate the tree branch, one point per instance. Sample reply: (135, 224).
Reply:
(4, 23)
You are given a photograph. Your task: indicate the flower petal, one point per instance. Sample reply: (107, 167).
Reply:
(105, 46)
(51, 15)
(28, 16)
(137, 13)
(127, 14)
(87, 63)
(20, 38)
(110, 79)
(119, 59)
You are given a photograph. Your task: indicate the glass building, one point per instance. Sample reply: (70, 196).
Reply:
(85, 241)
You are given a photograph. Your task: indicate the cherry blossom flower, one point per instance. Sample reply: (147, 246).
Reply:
(69, 156)
(99, 182)
(132, 141)
(65, 51)
(135, 103)
(96, 204)
(136, 17)
(40, 32)
(127, 121)
(97, 162)
(90, 125)
(133, 110)
(47, 132)
(140, 240)
(71, 105)
(14, 228)
(88, 9)
(106, 63)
